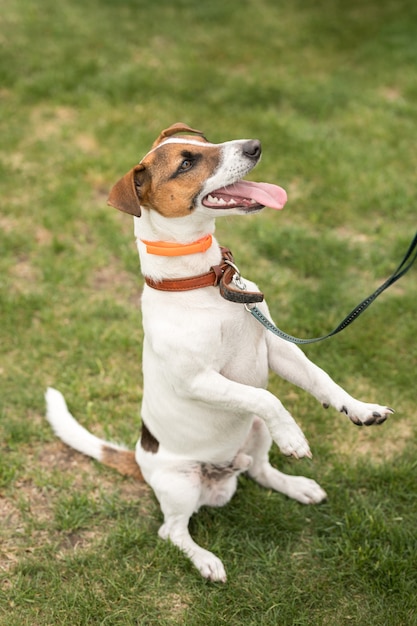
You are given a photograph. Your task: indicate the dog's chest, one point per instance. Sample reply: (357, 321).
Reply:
(205, 330)
(242, 348)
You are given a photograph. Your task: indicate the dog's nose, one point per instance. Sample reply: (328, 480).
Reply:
(252, 148)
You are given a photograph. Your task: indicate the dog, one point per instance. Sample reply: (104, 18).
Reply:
(206, 413)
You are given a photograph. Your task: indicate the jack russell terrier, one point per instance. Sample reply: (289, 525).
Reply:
(206, 414)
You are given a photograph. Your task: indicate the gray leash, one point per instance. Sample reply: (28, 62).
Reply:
(405, 265)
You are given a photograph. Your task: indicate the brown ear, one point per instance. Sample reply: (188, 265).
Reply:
(179, 127)
(127, 193)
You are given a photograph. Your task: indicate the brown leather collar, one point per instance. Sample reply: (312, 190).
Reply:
(219, 275)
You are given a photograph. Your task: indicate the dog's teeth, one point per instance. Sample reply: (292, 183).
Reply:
(216, 200)
(221, 201)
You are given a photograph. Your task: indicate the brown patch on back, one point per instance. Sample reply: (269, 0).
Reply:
(123, 461)
(148, 442)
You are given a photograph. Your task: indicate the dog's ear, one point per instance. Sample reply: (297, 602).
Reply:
(127, 194)
(179, 127)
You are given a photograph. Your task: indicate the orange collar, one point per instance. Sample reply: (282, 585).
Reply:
(168, 248)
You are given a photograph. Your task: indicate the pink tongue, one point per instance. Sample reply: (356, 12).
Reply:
(269, 195)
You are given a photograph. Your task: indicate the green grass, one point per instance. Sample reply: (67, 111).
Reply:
(330, 88)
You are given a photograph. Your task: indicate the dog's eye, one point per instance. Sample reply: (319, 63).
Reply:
(185, 165)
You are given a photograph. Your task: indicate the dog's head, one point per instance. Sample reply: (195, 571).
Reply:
(187, 173)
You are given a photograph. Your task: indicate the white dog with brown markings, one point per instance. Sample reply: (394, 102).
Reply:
(206, 413)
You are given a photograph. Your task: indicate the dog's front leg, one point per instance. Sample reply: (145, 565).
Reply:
(230, 396)
(289, 362)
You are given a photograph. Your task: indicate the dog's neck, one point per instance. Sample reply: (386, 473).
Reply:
(153, 227)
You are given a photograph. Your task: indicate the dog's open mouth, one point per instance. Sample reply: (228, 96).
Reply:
(247, 196)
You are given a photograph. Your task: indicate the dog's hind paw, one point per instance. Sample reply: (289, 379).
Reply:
(304, 490)
(209, 565)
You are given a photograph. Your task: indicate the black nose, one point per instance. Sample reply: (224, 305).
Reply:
(252, 148)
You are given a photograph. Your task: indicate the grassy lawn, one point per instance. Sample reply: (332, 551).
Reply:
(330, 88)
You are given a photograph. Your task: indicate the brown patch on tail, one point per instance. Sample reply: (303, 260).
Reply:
(123, 461)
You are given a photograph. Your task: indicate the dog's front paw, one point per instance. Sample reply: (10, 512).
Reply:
(292, 442)
(361, 413)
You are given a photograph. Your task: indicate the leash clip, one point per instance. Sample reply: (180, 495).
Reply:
(237, 279)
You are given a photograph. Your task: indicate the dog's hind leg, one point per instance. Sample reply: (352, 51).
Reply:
(299, 488)
(179, 497)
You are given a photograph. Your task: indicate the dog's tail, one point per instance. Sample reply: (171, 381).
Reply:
(66, 427)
